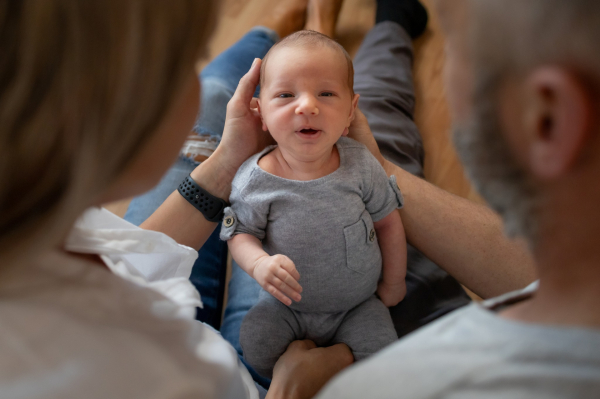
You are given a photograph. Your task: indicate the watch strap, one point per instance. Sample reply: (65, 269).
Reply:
(210, 206)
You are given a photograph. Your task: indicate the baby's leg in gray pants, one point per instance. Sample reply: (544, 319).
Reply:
(267, 330)
(384, 80)
(366, 329)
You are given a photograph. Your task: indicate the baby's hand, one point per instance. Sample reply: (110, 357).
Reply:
(391, 294)
(278, 276)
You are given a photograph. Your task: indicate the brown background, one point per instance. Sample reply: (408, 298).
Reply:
(442, 167)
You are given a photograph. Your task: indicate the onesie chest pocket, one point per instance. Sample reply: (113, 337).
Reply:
(362, 249)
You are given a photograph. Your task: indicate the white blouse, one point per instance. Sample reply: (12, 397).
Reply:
(71, 329)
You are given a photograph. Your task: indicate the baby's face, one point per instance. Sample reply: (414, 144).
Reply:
(305, 101)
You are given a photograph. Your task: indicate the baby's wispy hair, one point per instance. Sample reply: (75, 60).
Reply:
(309, 38)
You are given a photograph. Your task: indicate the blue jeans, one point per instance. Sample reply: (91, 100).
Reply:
(219, 80)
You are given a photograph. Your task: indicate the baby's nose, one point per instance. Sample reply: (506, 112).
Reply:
(307, 106)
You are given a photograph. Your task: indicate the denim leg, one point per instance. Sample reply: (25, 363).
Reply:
(219, 80)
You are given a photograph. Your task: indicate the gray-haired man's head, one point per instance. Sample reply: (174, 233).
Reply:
(504, 42)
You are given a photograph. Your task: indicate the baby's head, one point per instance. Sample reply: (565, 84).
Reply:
(311, 40)
(307, 99)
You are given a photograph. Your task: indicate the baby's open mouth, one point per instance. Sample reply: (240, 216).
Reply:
(308, 131)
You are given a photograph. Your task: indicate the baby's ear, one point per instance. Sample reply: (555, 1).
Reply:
(352, 114)
(353, 108)
(264, 125)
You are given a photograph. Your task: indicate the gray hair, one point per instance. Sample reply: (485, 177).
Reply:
(491, 166)
(517, 35)
(508, 39)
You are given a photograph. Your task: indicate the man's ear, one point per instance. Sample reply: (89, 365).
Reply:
(264, 125)
(558, 120)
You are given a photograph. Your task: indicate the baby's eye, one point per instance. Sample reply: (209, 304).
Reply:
(326, 94)
(285, 95)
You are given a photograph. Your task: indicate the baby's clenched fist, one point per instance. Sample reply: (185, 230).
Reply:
(278, 276)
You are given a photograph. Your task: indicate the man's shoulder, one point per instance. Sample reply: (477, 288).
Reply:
(403, 369)
(474, 352)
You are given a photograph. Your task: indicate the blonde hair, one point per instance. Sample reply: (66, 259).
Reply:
(310, 38)
(83, 84)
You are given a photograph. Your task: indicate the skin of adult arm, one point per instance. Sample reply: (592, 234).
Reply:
(464, 238)
(277, 274)
(392, 243)
(242, 137)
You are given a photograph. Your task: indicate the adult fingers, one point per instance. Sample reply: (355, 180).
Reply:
(361, 132)
(247, 86)
(359, 128)
(359, 120)
(271, 289)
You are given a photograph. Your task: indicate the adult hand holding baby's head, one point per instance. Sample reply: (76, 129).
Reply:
(278, 276)
(361, 132)
(243, 136)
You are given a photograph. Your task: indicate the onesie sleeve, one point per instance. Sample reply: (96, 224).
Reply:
(381, 195)
(244, 216)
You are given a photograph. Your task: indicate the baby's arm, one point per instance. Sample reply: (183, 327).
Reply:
(392, 242)
(277, 274)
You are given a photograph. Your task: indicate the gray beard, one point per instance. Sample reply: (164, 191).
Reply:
(494, 172)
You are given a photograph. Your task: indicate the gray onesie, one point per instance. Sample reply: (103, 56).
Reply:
(325, 226)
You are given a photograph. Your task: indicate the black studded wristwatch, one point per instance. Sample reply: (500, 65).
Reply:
(210, 206)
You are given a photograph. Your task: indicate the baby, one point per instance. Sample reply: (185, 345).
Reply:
(313, 220)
